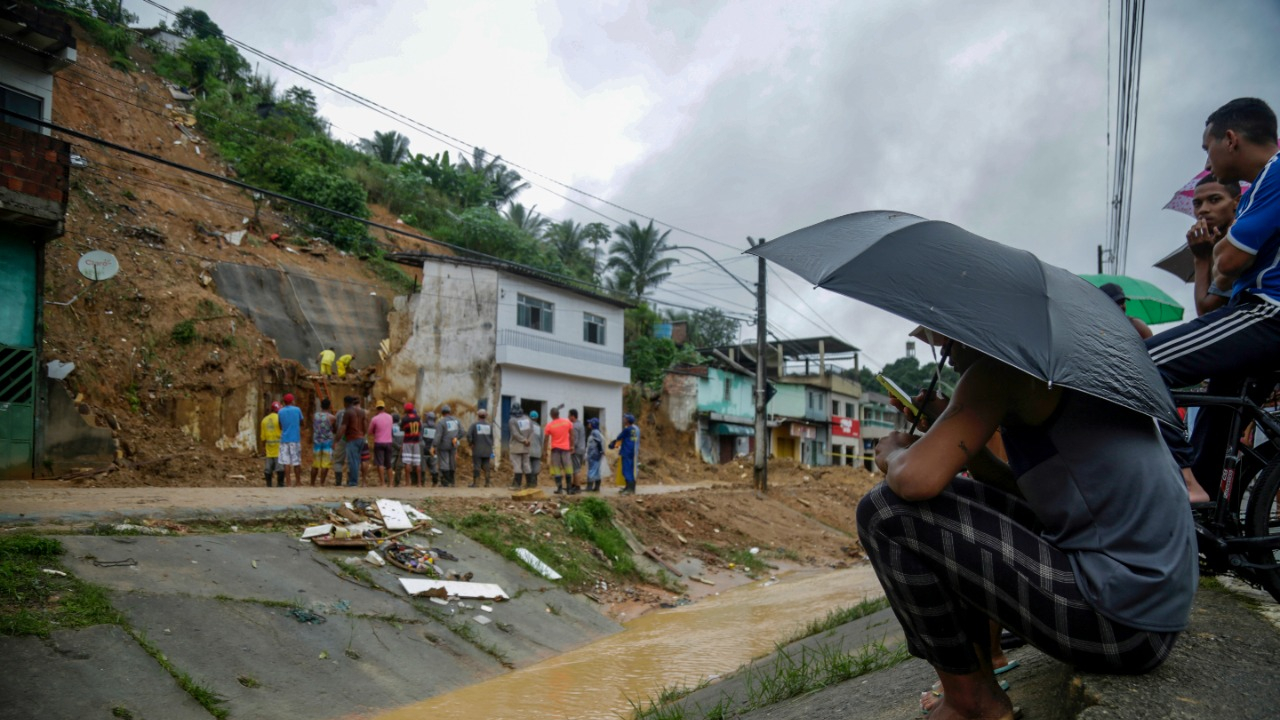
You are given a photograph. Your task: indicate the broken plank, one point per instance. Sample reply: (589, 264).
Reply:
(653, 555)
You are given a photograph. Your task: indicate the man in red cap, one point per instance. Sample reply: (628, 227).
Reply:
(411, 451)
(291, 440)
(269, 431)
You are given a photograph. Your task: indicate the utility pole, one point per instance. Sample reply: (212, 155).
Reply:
(762, 425)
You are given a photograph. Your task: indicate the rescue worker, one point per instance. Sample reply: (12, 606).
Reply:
(448, 431)
(429, 446)
(629, 439)
(343, 363)
(535, 451)
(269, 430)
(480, 437)
(520, 429)
(595, 454)
(326, 361)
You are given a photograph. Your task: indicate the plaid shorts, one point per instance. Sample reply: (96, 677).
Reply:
(974, 553)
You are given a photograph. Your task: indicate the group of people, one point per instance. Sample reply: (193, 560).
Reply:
(347, 441)
(1082, 543)
(568, 446)
(328, 357)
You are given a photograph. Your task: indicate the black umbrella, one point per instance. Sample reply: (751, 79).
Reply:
(996, 299)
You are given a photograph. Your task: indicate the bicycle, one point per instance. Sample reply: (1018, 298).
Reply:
(1243, 542)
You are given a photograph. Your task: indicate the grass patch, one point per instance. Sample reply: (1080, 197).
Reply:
(836, 618)
(248, 681)
(392, 274)
(207, 698)
(542, 535)
(787, 675)
(34, 602)
(355, 571)
(592, 518)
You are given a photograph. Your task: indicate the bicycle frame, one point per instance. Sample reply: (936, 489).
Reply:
(1234, 547)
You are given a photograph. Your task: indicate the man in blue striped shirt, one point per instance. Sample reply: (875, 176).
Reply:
(1229, 344)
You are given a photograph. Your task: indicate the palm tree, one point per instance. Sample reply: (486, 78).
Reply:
(596, 233)
(569, 239)
(636, 258)
(504, 183)
(391, 147)
(526, 219)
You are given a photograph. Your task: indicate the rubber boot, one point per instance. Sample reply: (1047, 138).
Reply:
(530, 480)
(279, 478)
(451, 477)
(475, 478)
(558, 488)
(435, 479)
(487, 476)
(515, 482)
(267, 474)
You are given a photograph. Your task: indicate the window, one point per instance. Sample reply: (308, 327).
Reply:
(21, 103)
(592, 329)
(848, 410)
(728, 388)
(535, 314)
(835, 407)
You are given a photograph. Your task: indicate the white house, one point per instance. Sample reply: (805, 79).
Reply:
(487, 333)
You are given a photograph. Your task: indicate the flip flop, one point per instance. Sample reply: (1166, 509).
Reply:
(1007, 667)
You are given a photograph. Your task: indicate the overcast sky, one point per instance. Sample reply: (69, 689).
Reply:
(729, 119)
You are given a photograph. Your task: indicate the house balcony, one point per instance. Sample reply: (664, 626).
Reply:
(544, 352)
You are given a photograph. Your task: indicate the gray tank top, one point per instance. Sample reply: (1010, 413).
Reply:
(1111, 496)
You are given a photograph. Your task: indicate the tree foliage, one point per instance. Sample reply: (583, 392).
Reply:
(390, 148)
(649, 358)
(708, 327)
(527, 219)
(638, 259)
(191, 23)
(910, 375)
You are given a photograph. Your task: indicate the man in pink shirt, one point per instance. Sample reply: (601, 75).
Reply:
(383, 450)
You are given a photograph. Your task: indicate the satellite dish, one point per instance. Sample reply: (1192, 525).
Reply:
(98, 265)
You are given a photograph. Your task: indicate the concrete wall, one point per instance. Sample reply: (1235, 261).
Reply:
(443, 347)
(569, 309)
(788, 401)
(71, 440)
(304, 315)
(23, 71)
(574, 392)
(680, 400)
(741, 397)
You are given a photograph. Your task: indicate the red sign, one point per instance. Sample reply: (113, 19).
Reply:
(845, 427)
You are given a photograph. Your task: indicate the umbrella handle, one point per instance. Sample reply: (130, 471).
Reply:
(933, 384)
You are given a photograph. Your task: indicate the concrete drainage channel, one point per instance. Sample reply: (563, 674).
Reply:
(223, 611)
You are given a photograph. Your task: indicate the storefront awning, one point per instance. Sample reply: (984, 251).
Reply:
(730, 429)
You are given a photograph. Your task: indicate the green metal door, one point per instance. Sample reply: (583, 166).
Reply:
(17, 356)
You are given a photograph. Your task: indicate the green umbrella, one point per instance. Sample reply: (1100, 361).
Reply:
(1145, 301)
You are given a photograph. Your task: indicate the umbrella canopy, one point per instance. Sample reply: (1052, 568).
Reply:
(1145, 301)
(996, 299)
(1180, 262)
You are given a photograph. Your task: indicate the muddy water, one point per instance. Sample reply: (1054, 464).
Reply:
(662, 649)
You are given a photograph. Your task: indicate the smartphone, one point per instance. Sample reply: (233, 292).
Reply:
(901, 396)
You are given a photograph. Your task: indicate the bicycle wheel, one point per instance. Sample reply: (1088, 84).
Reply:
(1262, 519)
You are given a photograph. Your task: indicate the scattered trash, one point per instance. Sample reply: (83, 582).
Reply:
(438, 601)
(699, 578)
(444, 554)
(53, 572)
(127, 562)
(755, 551)
(373, 558)
(482, 619)
(78, 160)
(480, 591)
(324, 654)
(393, 515)
(308, 617)
(542, 568)
(317, 530)
(487, 608)
(255, 564)
(235, 238)
(59, 370)
(143, 529)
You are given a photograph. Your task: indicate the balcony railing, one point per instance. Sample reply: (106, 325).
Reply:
(551, 346)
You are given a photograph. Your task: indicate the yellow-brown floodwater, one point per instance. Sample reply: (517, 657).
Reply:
(674, 647)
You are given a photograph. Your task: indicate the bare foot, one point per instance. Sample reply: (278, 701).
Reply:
(972, 696)
(1195, 492)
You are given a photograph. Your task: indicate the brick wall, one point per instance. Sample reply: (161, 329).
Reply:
(36, 166)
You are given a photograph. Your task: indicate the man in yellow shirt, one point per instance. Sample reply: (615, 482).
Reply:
(269, 431)
(343, 362)
(326, 361)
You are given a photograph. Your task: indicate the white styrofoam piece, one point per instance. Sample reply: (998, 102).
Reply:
(543, 569)
(482, 619)
(483, 591)
(318, 530)
(393, 515)
(415, 514)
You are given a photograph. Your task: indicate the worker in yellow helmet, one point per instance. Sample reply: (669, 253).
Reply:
(326, 361)
(343, 362)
